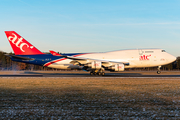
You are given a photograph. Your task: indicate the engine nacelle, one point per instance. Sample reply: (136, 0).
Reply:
(95, 65)
(118, 67)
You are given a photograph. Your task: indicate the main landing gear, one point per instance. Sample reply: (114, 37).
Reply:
(159, 70)
(97, 72)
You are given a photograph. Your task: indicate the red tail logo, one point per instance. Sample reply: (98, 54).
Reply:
(20, 46)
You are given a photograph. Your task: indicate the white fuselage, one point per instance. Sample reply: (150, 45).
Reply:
(135, 58)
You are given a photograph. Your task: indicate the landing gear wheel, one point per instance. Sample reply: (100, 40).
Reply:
(99, 73)
(94, 73)
(102, 73)
(91, 73)
(158, 72)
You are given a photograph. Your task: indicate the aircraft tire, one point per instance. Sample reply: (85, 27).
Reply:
(158, 72)
(99, 73)
(91, 73)
(102, 73)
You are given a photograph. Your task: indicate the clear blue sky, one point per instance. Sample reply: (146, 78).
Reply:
(93, 25)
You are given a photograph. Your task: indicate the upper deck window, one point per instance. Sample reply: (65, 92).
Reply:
(149, 51)
(163, 51)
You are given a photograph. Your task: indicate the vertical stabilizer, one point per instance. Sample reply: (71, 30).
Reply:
(20, 46)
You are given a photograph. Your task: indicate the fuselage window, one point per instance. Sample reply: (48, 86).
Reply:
(163, 51)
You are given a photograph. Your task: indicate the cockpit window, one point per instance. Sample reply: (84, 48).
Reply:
(163, 51)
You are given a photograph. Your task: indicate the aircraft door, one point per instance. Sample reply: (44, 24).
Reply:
(141, 52)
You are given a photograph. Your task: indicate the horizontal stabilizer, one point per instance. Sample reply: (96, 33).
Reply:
(54, 53)
(18, 57)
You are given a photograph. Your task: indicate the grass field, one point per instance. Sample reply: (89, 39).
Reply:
(89, 98)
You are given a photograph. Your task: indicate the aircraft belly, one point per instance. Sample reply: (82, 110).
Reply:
(64, 66)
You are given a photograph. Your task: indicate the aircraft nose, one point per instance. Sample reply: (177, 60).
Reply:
(172, 58)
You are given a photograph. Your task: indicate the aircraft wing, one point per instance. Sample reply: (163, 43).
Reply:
(83, 60)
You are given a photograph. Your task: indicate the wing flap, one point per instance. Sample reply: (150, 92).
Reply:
(82, 60)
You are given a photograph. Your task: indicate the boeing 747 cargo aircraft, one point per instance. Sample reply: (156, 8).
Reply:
(96, 63)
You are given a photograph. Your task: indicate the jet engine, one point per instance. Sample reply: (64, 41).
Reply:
(95, 65)
(117, 67)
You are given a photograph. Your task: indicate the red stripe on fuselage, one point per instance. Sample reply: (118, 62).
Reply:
(49, 63)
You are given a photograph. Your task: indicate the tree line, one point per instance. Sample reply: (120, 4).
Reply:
(7, 64)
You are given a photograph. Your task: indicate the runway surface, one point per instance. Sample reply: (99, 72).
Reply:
(82, 74)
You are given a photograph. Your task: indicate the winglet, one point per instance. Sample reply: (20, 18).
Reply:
(54, 53)
(20, 46)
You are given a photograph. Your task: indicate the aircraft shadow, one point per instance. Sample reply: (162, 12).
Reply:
(80, 74)
(106, 75)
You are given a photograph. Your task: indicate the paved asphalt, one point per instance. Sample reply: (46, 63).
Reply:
(37, 74)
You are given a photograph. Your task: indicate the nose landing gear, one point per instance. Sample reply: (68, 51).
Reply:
(159, 70)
